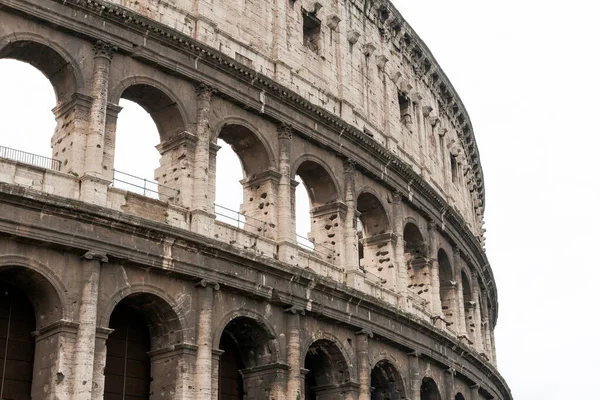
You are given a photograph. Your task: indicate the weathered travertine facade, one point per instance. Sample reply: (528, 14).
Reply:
(135, 297)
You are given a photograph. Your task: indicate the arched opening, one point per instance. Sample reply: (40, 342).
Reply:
(469, 305)
(257, 211)
(417, 264)
(17, 344)
(144, 324)
(447, 287)
(249, 350)
(320, 218)
(327, 369)
(386, 382)
(429, 390)
(127, 370)
(459, 396)
(151, 126)
(375, 240)
(28, 302)
(35, 125)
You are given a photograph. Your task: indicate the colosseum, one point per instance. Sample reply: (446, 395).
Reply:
(115, 294)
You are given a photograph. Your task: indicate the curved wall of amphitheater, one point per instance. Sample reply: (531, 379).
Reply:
(156, 297)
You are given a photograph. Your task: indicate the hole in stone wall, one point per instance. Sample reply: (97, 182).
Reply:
(311, 29)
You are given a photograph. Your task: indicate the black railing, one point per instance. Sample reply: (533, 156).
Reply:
(144, 186)
(236, 218)
(30, 158)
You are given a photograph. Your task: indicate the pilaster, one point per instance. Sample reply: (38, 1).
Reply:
(295, 381)
(287, 251)
(364, 371)
(204, 338)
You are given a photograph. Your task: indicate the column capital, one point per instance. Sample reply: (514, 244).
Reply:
(450, 371)
(103, 49)
(204, 89)
(415, 354)
(349, 165)
(295, 310)
(92, 255)
(284, 131)
(204, 283)
(367, 332)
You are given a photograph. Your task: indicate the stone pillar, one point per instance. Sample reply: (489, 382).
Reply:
(355, 276)
(477, 337)
(205, 165)
(54, 361)
(449, 383)
(379, 258)
(295, 382)
(110, 137)
(364, 370)
(485, 324)
(175, 175)
(327, 230)
(204, 339)
(398, 226)
(171, 372)
(265, 382)
(414, 389)
(86, 335)
(93, 183)
(436, 302)
(461, 328)
(286, 235)
(475, 392)
(216, 358)
(100, 362)
(261, 203)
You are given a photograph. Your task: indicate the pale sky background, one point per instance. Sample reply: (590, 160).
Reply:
(527, 71)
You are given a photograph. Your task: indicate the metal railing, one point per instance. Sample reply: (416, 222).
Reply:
(145, 187)
(317, 248)
(236, 218)
(30, 158)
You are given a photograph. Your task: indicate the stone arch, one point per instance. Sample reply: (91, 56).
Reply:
(447, 286)
(468, 303)
(386, 381)
(328, 369)
(417, 262)
(319, 179)
(43, 287)
(459, 396)
(248, 143)
(429, 390)
(164, 106)
(374, 216)
(346, 349)
(53, 60)
(157, 308)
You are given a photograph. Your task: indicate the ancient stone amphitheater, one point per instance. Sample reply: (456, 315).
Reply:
(108, 293)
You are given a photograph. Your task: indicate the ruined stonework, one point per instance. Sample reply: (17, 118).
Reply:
(112, 294)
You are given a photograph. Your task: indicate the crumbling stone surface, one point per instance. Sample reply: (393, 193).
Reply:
(156, 298)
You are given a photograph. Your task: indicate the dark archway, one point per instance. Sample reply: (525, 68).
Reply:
(326, 367)
(231, 382)
(246, 344)
(17, 344)
(373, 217)
(429, 390)
(374, 238)
(459, 396)
(386, 382)
(127, 370)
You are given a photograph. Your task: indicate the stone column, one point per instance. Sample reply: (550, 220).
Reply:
(478, 339)
(176, 171)
(110, 137)
(485, 324)
(204, 338)
(286, 236)
(475, 392)
(436, 302)
(93, 184)
(100, 362)
(205, 165)
(216, 358)
(364, 370)
(461, 328)
(87, 316)
(295, 383)
(414, 375)
(349, 252)
(398, 222)
(449, 383)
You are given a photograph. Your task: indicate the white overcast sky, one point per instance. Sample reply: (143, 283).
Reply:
(527, 72)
